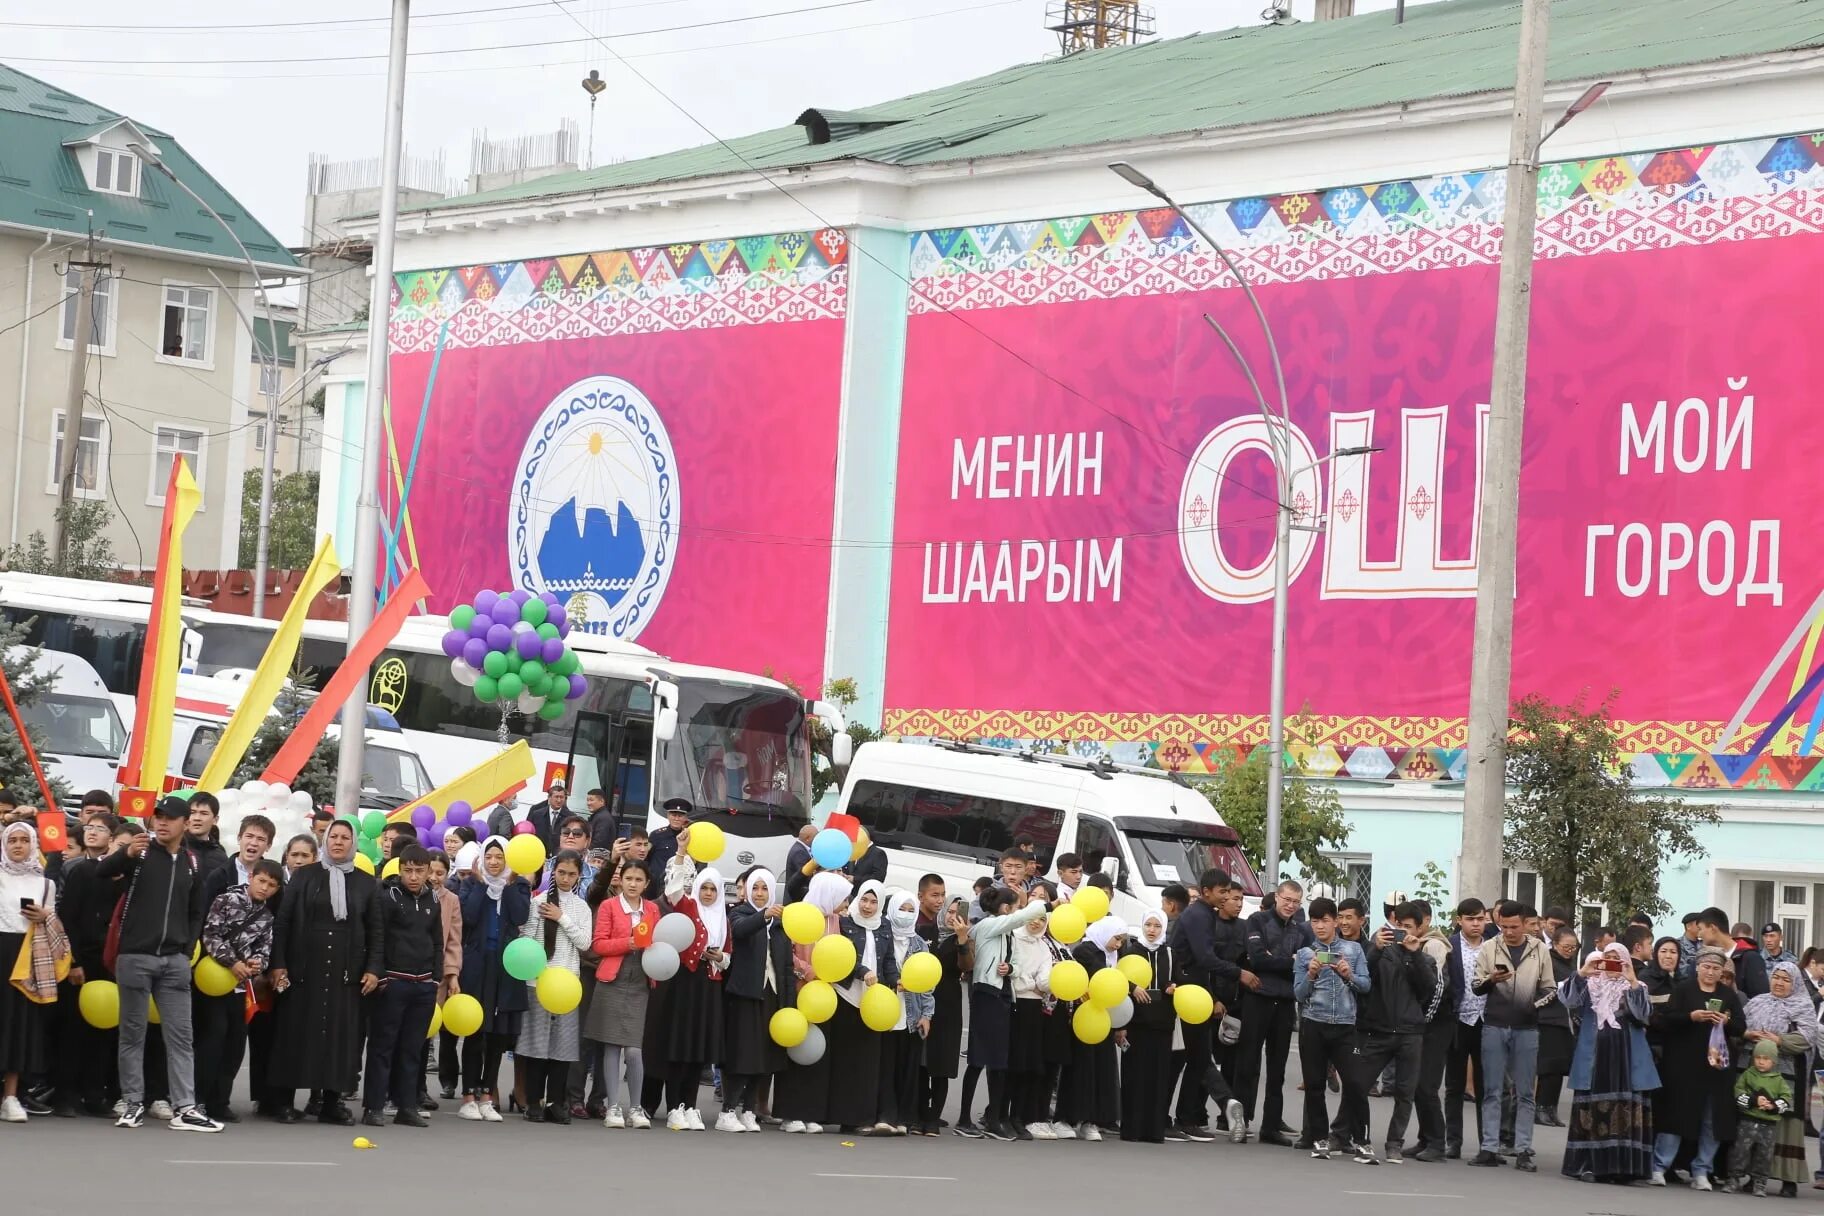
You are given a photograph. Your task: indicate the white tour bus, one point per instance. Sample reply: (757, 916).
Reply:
(953, 808)
(738, 746)
(79, 728)
(103, 624)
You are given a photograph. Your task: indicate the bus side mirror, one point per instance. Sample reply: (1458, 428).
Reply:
(665, 724)
(842, 749)
(1111, 866)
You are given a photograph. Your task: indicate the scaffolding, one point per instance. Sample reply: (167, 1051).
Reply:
(1087, 25)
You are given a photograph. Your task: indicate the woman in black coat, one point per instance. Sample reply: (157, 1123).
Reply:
(1089, 1091)
(947, 935)
(1557, 1032)
(1696, 1100)
(750, 1056)
(854, 1050)
(495, 906)
(1146, 1066)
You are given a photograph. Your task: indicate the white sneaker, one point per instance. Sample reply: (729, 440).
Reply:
(1238, 1121)
(638, 1119)
(489, 1113)
(120, 1107)
(729, 1121)
(11, 1111)
(192, 1119)
(748, 1122)
(614, 1120)
(1089, 1132)
(1063, 1131)
(1041, 1131)
(1700, 1182)
(675, 1121)
(813, 1129)
(161, 1111)
(794, 1127)
(470, 1111)
(1658, 1178)
(693, 1119)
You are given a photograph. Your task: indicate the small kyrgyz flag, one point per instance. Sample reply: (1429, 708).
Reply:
(52, 837)
(138, 803)
(642, 934)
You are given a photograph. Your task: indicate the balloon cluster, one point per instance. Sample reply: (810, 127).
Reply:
(832, 962)
(432, 829)
(510, 650)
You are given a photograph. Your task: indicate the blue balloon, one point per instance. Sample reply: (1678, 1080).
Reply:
(830, 849)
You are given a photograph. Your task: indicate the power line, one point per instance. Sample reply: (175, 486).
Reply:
(341, 24)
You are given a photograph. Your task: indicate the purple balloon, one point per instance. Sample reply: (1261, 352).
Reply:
(452, 642)
(550, 598)
(423, 816)
(474, 652)
(485, 601)
(557, 616)
(480, 827)
(578, 686)
(459, 814)
(520, 596)
(504, 612)
(430, 838)
(552, 650)
(478, 628)
(500, 638)
(529, 644)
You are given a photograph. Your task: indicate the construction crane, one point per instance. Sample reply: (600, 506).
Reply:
(1086, 25)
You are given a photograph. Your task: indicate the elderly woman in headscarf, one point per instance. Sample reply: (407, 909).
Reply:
(759, 984)
(1785, 1017)
(1089, 1092)
(1146, 1066)
(1612, 1072)
(326, 956)
(1696, 1098)
(902, 1047)
(495, 906)
(27, 901)
(804, 1094)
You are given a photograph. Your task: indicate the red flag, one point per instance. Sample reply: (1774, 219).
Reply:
(137, 804)
(52, 836)
(848, 825)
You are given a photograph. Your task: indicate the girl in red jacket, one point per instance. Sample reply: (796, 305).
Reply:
(617, 1014)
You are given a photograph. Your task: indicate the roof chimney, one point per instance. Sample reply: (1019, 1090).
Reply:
(1330, 10)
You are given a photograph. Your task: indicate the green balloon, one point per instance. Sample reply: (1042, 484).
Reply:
(373, 823)
(370, 849)
(510, 686)
(462, 616)
(487, 689)
(531, 669)
(534, 612)
(496, 664)
(547, 631)
(523, 958)
(550, 711)
(539, 684)
(567, 663)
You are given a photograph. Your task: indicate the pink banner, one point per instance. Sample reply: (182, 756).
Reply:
(1671, 437)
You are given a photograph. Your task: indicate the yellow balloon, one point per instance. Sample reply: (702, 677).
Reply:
(1193, 1003)
(1091, 901)
(788, 1027)
(462, 1015)
(817, 1001)
(1090, 1023)
(526, 853)
(364, 1142)
(1068, 925)
(803, 923)
(1138, 971)
(196, 952)
(706, 843)
(862, 841)
(880, 1008)
(99, 1001)
(363, 863)
(833, 958)
(390, 868)
(1068, 980)
(152, 1012)
(559, 991)
(436, 1022)
(921, 972)
(1107, 988)
(213, 979)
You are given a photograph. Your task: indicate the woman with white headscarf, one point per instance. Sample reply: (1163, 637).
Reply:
(689, 1004)
(1785, 1017)
(803, 1094)
(1146, 1065)
(759, 984)
(1609, 1136)
(902, 1047)
(27, 901)
(854, 1050)
(1089, 1092)
(495, 906)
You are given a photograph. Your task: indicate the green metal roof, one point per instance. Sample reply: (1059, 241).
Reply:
(1236, 78)
(42, 186)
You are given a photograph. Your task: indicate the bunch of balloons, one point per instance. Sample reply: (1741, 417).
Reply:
(432, 830)
(510, 650)
(832, 962)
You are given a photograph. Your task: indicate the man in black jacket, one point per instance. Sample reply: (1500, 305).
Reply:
(545, 817)
(1209, 943)
(399, 1013)
(162, 920)
(85, 904)
(1268, 1010)
(1391, 1026)
(203, 838)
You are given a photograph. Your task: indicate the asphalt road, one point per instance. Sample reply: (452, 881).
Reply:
(88, 1165)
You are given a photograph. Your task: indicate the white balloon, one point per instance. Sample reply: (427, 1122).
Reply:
(462, 673)
(660, 962)
(521, 627)
(254, 790)
(529, 704)
(675, 930)
(300, 802)
(1121, 1014)
(278, 790)
(811, 1050)
(229, 801)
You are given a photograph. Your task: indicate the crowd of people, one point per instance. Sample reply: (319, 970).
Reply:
(1687, 1056)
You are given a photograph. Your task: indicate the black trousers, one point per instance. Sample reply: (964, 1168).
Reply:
(1462, 1063)
(1203, 1077)
(449, 1060)
(1374, 1052)
(545, 1080)
(1266, 1030)
(220, 1027)
(1321, 1047)
(398, 1018)
(87, 1066)
(1426, 1099)
(481, 1054)
(934, 1092)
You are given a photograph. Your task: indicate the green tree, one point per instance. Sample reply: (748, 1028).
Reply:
(318, 776)
(1311, 822)
(293, 541)
(844, 692)
(1574, 816)
(1432, 885)
(90, 553)
(29, 684)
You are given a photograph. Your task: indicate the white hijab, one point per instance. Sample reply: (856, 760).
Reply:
(468, 857)
(496, 883)
(827, 891)
(765, 876)
(870, 957)
(1104, 931)
(713, 915)
(1152, 918)
(902, 920)
(33, 865)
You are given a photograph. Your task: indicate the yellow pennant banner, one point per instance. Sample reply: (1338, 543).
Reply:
(480, 787)
(150, 753)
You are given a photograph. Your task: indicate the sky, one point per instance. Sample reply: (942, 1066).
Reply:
(213, 73)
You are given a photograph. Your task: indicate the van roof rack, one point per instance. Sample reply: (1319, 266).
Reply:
(1101, 766)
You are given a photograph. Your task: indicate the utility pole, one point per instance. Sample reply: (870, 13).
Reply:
(86, 269)
(1485, 792)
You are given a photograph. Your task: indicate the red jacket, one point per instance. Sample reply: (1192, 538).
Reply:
(614, 934)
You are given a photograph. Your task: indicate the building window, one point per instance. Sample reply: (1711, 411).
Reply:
(259, 437)
(116, 172)
(91, 456)
(172, 442)
(101, 315)
(270, 375)
(186, 331)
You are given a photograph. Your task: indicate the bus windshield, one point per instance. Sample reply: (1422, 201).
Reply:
(739, 748)
(77, 726)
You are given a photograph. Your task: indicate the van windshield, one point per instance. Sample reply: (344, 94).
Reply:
(77, 726)
(1168, 852)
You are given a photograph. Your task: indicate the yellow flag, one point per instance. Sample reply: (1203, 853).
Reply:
(156, 709)
(269, 677)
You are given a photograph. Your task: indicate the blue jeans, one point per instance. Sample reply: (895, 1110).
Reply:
(1666, 1145)
(1514, 1054)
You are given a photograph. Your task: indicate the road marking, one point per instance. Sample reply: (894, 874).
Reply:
(894, 1177)
(1405, 1194)
(315, 1163)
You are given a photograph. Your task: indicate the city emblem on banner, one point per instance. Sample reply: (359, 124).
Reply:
(595, 507)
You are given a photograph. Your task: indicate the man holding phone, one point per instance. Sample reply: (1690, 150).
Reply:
(1513, 972)
(1328, 976)
(1391, 1027)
